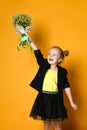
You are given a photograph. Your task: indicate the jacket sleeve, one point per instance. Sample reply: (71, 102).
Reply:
(66, 82)
(39, 57)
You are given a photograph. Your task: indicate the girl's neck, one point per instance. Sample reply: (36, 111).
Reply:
(53, 67)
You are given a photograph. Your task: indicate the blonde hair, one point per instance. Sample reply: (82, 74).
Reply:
(62, 53)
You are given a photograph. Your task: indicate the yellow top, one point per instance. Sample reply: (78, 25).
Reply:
(50, 81)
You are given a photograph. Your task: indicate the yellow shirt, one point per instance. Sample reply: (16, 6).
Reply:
(50, 81)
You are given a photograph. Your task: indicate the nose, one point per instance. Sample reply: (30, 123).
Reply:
(51, 55)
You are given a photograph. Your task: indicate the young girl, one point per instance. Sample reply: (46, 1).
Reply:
(50, 81)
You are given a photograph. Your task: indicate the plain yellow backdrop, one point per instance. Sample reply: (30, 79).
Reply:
(55, 22)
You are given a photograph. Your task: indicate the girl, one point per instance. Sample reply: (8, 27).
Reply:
(50, 81)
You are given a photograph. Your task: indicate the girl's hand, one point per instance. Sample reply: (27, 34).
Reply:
(74, 106)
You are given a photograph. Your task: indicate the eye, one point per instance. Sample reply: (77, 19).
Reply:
(49, 54)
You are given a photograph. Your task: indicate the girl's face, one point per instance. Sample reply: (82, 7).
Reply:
(54, 56)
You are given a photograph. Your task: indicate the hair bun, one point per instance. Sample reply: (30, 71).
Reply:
(66, 53)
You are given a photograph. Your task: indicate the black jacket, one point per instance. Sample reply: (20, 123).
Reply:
(37, 82)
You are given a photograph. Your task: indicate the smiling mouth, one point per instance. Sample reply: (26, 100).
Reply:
(50, 59)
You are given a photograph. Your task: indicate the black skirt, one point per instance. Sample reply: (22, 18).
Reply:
(48, 107)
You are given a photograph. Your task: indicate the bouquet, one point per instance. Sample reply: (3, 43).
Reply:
(22, 24)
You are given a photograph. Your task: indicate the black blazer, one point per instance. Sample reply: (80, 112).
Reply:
(37, 82)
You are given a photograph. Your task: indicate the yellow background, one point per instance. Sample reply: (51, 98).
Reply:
(55, 22)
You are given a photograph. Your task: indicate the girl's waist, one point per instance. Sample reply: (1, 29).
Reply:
(49, 92)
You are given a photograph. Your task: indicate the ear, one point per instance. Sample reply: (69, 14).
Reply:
(60, 60)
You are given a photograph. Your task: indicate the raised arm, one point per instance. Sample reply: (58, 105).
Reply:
(33, 45)
(38, 54)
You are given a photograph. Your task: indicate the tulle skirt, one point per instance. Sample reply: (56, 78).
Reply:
(48, 107)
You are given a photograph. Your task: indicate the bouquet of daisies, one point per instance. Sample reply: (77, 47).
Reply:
(22, 23)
